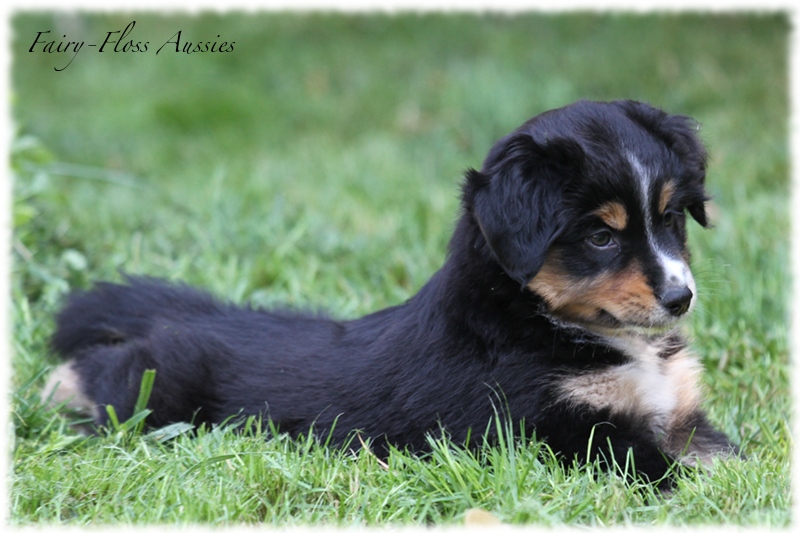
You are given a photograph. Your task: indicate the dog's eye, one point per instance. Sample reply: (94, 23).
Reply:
(601, 239)
(670, 218)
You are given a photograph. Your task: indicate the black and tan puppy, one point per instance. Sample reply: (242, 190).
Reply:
(558, 305)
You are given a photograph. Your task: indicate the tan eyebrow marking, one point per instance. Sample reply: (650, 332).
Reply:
(613, 214)
(666, 195)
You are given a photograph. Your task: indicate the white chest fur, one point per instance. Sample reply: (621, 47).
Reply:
(657, 389)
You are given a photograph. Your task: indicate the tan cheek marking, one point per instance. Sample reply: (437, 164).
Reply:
(666, 195)
(613, 214)
(565, 296)
(626, 295)
(553, 284)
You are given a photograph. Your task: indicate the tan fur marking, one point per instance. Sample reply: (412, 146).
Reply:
(665, 391)
(63, 385)
(552, 284)
(683, 372)
(625, 295)
(613, 214)
(666, 195)
(614, 389)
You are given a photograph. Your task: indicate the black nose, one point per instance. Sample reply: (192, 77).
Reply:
(676, 300)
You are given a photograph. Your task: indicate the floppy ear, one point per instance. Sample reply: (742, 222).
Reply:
(679, 133)
(517, 199)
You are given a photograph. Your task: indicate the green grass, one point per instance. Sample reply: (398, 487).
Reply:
(318, 166)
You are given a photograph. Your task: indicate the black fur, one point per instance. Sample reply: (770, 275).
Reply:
(473, 343)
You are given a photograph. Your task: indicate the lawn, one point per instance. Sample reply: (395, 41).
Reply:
(317, 165)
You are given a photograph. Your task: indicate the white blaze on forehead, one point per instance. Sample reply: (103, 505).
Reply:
(641, 173)
(675, 269)
(643, 181)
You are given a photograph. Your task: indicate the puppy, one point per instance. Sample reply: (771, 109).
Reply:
(558, 305)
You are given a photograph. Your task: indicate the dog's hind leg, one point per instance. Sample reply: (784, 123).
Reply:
(186, 361)
(111, 334)
(99, 376)
(63, 389)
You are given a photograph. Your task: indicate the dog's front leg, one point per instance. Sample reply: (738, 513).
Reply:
(619, 443)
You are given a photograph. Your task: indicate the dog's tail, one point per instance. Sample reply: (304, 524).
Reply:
(112, 313)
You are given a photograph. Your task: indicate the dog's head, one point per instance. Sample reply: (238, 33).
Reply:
(586, 207)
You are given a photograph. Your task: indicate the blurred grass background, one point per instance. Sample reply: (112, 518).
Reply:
(318, 165)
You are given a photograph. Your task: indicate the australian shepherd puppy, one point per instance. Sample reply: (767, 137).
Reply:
(558, 305)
